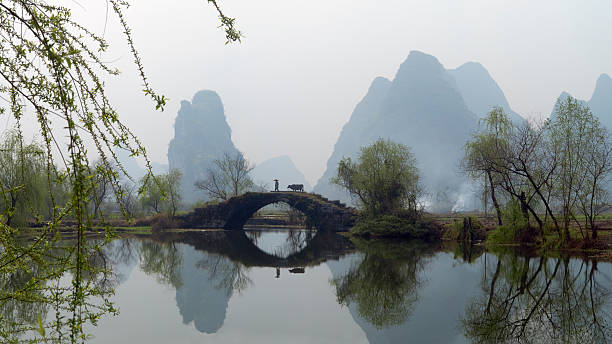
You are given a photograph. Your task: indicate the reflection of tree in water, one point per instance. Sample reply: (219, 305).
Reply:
(539, 300)
(297, 240)
(225, 274)
(464, 251)
(53, 294)
(254, 236)
(109, 259)
(18, 316)
(162, 259)
(385, 283)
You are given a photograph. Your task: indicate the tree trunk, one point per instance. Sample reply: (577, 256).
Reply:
(9, 218)
(566, 232)
(544, 200)
(524, 206)
(495, 204)
(492, 290)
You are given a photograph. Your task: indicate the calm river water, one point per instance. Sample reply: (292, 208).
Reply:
(280, 286)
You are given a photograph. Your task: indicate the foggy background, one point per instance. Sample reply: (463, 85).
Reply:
(302, 66)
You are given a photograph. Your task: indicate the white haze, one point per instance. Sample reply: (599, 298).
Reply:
(304, 65)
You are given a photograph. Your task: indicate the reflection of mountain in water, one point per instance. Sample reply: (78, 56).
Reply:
(201, 299)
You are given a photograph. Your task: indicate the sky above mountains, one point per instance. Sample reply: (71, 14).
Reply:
(302, 67)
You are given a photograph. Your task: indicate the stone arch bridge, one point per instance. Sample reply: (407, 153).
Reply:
(321, 213)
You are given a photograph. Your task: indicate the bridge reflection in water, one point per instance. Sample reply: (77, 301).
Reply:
(237, 246)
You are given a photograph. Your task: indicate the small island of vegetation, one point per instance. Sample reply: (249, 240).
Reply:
(384, 180)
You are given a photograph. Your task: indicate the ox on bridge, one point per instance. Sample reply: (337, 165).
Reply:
(321, 213)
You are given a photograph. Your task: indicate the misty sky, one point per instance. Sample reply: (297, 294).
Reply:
(293, 82)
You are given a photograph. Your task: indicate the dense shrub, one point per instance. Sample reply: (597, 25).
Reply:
(396, 226)
(160, 222)
(516, 228)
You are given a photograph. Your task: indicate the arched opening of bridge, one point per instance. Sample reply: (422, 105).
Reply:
(280, 243)
(279, 229)
(277, 215)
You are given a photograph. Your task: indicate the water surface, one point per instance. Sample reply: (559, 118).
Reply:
(280, 286)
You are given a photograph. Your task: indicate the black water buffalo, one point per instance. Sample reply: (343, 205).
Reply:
(297, 270)
(296, 187)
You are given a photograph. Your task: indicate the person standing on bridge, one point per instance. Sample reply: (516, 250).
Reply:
(275, 184)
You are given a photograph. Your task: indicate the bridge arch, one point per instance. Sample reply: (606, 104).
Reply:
(321, 213)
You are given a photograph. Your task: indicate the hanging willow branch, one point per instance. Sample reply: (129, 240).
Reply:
(50, 68)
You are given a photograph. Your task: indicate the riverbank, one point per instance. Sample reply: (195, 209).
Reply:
(447, 228)
(483, 228)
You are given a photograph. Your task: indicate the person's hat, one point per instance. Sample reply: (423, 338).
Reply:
(275, 180)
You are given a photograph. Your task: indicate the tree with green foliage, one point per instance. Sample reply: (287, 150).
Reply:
(384, 178)
(22, 180)
(593, 195)
(162, 193)
(582, 146)
(485, 149)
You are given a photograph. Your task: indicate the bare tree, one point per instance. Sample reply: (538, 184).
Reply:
(228, 178)
(104, 175)
(127, 200)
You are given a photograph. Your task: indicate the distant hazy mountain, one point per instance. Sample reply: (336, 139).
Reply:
(281, 168)
(479, 91)
(600, 103)
(353, 136)
(135, 171)
(201, 135)
(423, 108)
(130, 164)
(562, 97)
(159, 168)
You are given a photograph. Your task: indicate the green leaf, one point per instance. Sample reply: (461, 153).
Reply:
(41, 328)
